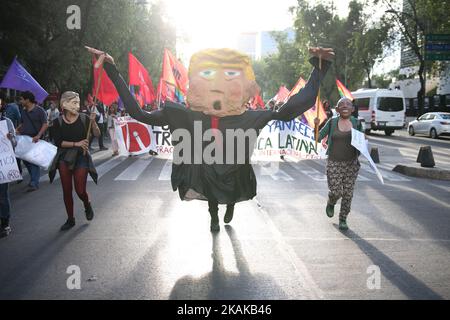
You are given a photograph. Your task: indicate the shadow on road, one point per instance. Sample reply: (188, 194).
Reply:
(224, 285)
(22, 276)
(411, 287)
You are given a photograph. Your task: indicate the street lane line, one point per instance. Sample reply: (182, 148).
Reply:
(107, 166)
(134, 170)
(166, 171)
(301, 271)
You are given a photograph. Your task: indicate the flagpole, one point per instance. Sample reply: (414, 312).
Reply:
(159, 93)
(317, 104)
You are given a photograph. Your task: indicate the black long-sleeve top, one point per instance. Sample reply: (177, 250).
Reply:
(225, 183)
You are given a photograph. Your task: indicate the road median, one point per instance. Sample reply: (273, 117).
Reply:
(420, 172)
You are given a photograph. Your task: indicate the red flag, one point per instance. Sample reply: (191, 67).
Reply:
(257, 102)
(107, 92)
(282, 94)
(311, 113)
(298, 86)
(138, 76)
(174, 79)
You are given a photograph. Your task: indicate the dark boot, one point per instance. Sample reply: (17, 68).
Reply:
(213, 212)
(70, 223)
(229, 213)
(330, 210)
(89, 212)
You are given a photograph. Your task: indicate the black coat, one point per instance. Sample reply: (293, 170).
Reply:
(225, 183)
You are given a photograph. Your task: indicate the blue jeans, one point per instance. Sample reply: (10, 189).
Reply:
(35, 174)
(5, 206)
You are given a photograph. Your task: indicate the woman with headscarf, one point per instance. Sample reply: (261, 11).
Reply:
(343, 164)
(73, 160)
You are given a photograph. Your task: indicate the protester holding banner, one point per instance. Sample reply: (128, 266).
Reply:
(34, 124)
(5, 206)
(112, 115)
(343, 164)
(73, 159)
(221, 82)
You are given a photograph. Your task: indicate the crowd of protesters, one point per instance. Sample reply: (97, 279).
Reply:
(25, 116)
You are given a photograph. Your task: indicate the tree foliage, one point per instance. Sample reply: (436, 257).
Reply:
(37, 33)
(358, 42)
(416, 19)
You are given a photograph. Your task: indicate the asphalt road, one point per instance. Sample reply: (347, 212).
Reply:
(145, 243)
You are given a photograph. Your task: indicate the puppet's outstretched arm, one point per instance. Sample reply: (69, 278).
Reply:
(155, 118)
(306, 97)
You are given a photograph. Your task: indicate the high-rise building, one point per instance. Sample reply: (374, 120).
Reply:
(260, 44)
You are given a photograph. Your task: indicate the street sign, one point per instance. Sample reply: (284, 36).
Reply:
(437, 47)
(438, 37)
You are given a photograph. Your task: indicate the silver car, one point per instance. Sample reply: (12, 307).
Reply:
(433, 124)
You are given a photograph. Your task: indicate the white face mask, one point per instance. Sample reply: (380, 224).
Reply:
(72, 106)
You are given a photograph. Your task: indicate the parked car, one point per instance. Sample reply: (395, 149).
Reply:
(381, 109)
(433, 124)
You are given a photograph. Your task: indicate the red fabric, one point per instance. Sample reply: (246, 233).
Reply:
(138, 76)
(298, 86)
(80, 178)
(174, 77)
(282, 94)
(256, 102)
(216, 133)
(107, 92)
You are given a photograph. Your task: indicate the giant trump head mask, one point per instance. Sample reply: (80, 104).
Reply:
(221, 82)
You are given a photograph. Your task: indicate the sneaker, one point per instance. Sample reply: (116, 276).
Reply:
(31, 189)
(330, 210)
(229, 214)
(5, 231)
(70, 223)
(89, 212)
(115, 153)
(343, 225)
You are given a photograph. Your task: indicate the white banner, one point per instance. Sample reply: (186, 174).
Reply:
(9, 171)
(163, 142)
(359, 142)
(294, 139)
(133, 137)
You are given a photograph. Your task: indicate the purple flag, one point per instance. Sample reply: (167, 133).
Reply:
(19, 79)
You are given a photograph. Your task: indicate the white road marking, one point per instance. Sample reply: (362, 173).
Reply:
(134, 170)
(107, 166)
(166, 171)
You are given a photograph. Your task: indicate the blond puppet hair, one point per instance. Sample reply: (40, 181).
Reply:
(225, 58)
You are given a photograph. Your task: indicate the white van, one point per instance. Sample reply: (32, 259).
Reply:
(381, 109)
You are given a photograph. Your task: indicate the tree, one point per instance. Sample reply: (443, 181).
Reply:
(357, 39)
(37, 33)
(417, 18)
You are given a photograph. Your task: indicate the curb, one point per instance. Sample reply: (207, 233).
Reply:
(428, 173)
